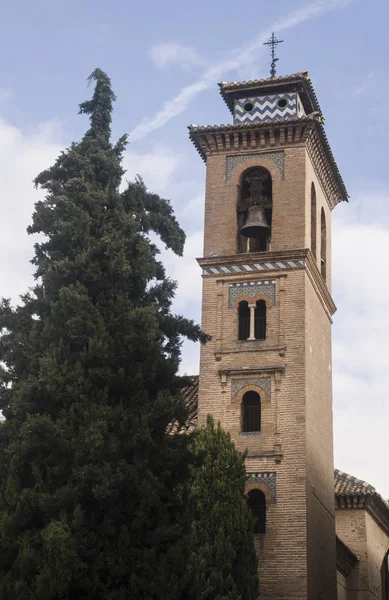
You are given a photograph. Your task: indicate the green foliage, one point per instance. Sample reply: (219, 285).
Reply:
(89, 477)
(222, 563)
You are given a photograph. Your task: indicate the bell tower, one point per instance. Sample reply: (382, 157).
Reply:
(271, 185)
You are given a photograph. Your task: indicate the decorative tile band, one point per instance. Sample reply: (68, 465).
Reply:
(276, 157)
(286, 264)
(251, 289)
(262, 382)
(268, 479)
(266, 108)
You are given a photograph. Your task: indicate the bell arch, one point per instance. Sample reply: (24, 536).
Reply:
(254, 210)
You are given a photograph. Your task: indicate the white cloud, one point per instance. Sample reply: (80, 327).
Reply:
(186, 271)
(168, 53)
(155, 166)
(23, 155)
(238, 58)
(361, 331)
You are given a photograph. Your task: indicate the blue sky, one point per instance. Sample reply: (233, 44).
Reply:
(165, 59)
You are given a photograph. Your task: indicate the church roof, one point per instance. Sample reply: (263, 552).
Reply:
(348, 485)
(190, 394)
(300, 82)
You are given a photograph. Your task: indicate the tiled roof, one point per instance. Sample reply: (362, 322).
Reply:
(229, 90)
(243, 126)
(190, 394)
(347, 485)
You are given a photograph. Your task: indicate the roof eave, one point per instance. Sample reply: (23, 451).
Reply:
(195, 130)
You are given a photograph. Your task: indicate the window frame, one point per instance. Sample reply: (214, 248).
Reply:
(251, 415)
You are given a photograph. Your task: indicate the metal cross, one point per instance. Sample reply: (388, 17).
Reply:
(273, 42)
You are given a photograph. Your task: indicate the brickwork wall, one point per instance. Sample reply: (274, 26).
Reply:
(288, 219)
(358, 530)
(283, 423)
(377, 546)
(286, 443)
(321, 202)
(351, 529)
(320, 460)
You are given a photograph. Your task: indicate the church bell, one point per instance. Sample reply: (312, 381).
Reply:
(256, 222)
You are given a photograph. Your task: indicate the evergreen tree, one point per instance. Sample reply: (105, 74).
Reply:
(222, 563)
(89, 477)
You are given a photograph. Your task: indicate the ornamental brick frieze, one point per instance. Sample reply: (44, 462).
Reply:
(251, 289)
(268, 479)
(264, 383)
(264, 266)
(275, 157)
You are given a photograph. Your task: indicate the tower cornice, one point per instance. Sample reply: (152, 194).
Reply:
(308, 131)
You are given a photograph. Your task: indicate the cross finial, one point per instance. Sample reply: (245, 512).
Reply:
(273, 42)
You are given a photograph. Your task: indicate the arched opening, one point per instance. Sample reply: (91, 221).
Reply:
(254, 211)
(251, 412)
(243, 320)
(256, 502)
(385, 577)
(313, 219)
(323, 246)
(260, 320)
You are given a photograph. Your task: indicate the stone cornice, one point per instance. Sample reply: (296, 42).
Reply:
(268, 263)
(237, 371)
(214, 139)
(255, 257)
(307, 131)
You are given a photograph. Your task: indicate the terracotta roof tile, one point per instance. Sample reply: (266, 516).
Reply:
(190, 394)
(347, 485)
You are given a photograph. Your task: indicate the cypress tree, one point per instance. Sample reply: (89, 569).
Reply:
(89, 477)
(222, 563)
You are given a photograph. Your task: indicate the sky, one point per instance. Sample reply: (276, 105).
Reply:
(165, 60)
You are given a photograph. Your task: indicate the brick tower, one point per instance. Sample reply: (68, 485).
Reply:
(271, 185)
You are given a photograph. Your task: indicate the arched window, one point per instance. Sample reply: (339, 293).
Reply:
(251, 412)
(260, 320)
(256, 502)
(254, 210)
(323, 248)
(244, 320)
(313, 219)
